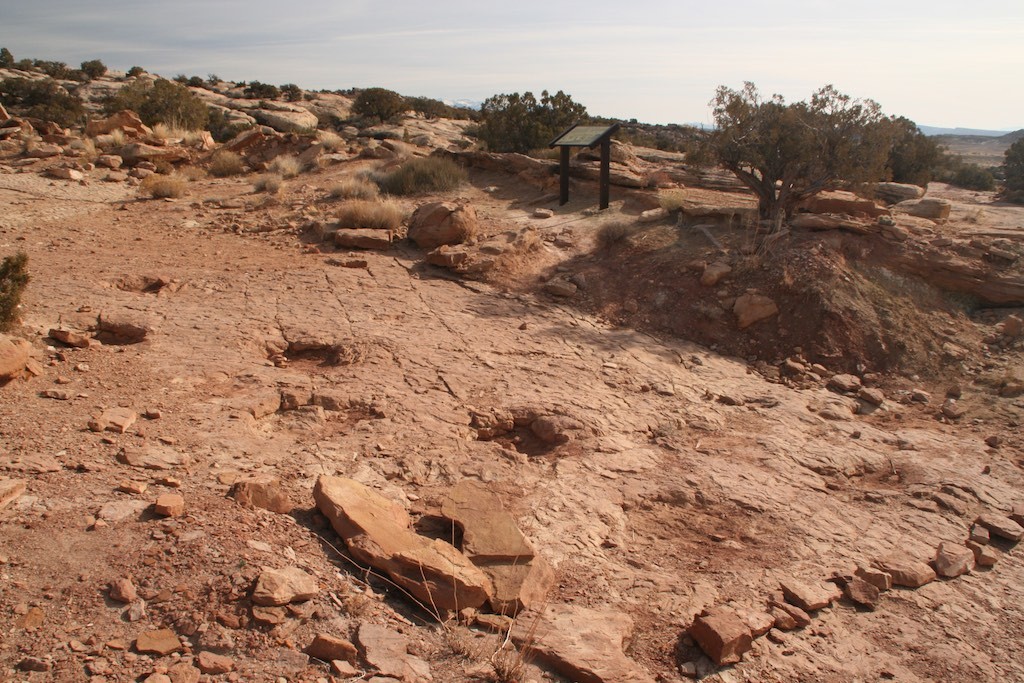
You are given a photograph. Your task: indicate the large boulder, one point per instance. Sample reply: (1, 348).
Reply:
(930, 208)
(136, 152)
(286, 121)
(125, 120)
(14, 356)
(378, 533)
(894, 193)
(843, 203)
(442, 223)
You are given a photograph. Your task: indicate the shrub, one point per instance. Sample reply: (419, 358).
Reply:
(270, 183)
(224, 163)
(165, 186)
(672, 200)
(6, 58)
(94, 68)
(13, 279)
(52, 69)
(519, 123)
(363, 213)
(914, 158)
(135, 71)
(291, 92)
(193, 173)
(612, 234)
(161, 102)
(353, 188)
(261, 91)
(422, 175)
(973, 177)
(221, 127)
(379, 103)
(1013, 171)
(286, 166)
(42, 99)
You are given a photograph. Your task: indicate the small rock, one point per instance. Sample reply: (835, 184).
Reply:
(72, 338)
(800, 618)
(952, 409)
(876, 577)
(116, 420)
(722, 635)
(778, 637)
(170, 505)
(276, 587)
(136, 488)
(262, 492)
(10, 491)
(330, 648)
(952, 560)
(33, 664)
(714, 273)
(920, 396)
(844, 383)
(980, 535)
(543, 213)
(212, 664)
(984, 556)
(343, 669)
(873, 396)
(783, 620)
(861, 593)
(123, 590)
(752, 308)
(807, 597)
(906, 571)
(560, 287)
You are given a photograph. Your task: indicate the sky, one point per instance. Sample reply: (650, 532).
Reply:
(937, 62)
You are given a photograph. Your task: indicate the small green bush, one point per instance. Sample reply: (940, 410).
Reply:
(42, 99)
(291, 92)
(422, 175)
(363, 213)
(161, 101)
(13, 279)
(6, 58)
(379, 103)
(261, 91)
(224, 163)
(94, 68)
(1013, 172)
(135, 71)
(973, 177)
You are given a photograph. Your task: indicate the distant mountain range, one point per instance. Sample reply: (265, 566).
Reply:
(933, 130)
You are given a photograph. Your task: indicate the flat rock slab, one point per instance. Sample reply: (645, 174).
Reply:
(117, 420)
(120, 510)
(362, 238)
(122, 328)
(862, 593)
(161, 642)
(806, 596)
(723, 636)
(585, 645)
(328, 648)
(984, 555)
(377, 532)
(489, 532)
(276, 587)
(1001, 526)
(387, 651)
(153, 458)
(906, 571)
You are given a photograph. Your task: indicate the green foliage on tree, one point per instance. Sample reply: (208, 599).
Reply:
(13, 279)
(41, 99)
(94, 68)
(973, 177)
(1013, 172)
(787, 153)
(379, 103)
(520, 123)
(135, 71)
(261, 91)
(291, 92)
(914, 157)
(196, 82)
(6, 58)
(161, 101)
(52, 69)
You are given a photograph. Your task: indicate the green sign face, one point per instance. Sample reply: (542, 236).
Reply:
(582, 136)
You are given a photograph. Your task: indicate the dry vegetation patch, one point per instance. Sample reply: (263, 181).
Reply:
(420, 176)
(362, 213)
(224, 163)
(169, 186)
(353, 188)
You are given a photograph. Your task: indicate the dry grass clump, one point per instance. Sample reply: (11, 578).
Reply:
(224, 163)
(364, 213)
(330, 140)
(285, 166)
(269, 183)
(353, 188)
(86, 148)
(612, 234)
(193, 173)
(422, 175)
(671, 200)
(117, 137)
(165, 186)
(13, 279)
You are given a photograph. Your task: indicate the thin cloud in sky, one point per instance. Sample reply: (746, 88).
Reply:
(936, 61)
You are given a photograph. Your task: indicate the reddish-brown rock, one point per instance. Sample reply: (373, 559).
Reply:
(442, 223)
(1001, 526)
(906, 571)
(953, 560)
(722, 635)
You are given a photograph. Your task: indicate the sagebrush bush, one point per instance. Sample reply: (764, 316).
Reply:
(160, 101)
(365, 213)
(671, 201)
(225, 163)
(612, 234)
(43, 99)
(422, 175)
(330, 140)
(379, 103)
(973, 177)
(13, 279)
(353, 188)
(193, 173)
(285, 166)
(165, 186)
(269, 183)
